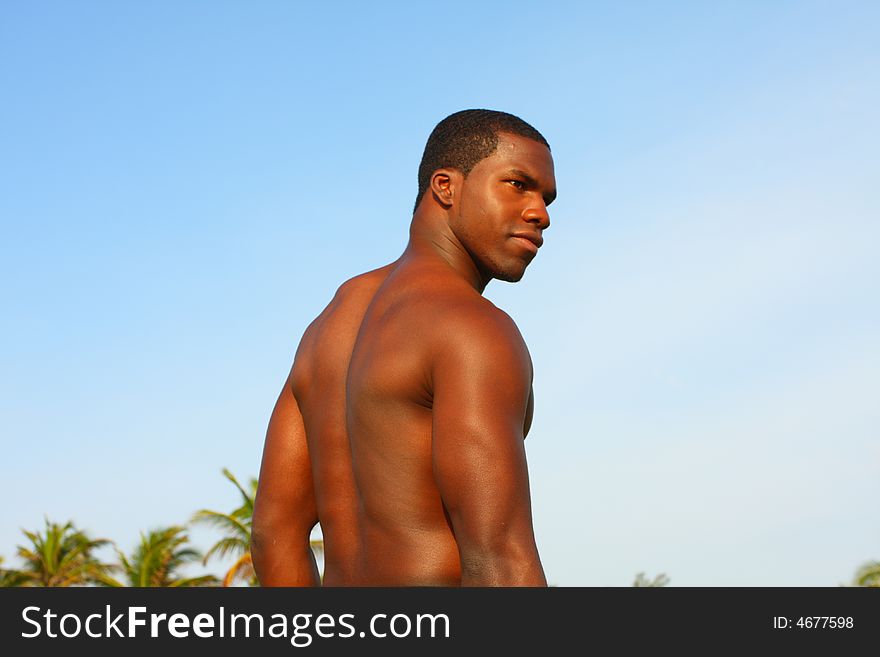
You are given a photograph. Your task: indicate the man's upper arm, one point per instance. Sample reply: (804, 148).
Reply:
(284, 510)
(482, 387)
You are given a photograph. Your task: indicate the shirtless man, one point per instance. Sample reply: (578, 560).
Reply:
(439, 395)
(437, 399)
(306, 473)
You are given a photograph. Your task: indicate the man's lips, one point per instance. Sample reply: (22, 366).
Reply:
(531, 241)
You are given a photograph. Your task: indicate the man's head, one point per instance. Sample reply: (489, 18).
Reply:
(491, 175)
(462, 139)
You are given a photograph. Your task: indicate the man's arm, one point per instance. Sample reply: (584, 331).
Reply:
(284, 509)
(482, 387)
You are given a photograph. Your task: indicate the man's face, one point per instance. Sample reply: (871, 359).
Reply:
(502, 208)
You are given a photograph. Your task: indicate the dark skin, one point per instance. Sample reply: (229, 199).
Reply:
(439, 393)
(306, 472)
(401, 426)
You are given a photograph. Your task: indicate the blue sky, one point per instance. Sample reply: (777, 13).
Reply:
(185, 184)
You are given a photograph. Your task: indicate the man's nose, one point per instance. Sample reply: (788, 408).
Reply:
(538, 215)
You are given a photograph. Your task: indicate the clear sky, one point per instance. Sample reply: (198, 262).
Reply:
(183, 185)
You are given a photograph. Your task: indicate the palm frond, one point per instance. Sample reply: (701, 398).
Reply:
(61, 555)
(226, 546)
(224, 521)
(247, 498)
(236, 525)
(189, 582)
(242, 569)
(869, 575)
(10, 577)
(641, 581)
(157, 559)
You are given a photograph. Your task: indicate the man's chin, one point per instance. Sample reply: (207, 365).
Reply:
(510, 275)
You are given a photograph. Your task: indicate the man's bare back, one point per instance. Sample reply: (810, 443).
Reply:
(439, 393)
(306, 475)
(409, 538)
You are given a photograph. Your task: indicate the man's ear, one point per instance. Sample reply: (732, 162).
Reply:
(444, 185)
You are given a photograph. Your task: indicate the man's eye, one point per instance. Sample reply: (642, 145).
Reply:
(519, 184)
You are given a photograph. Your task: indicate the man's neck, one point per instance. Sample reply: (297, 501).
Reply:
(430, 238)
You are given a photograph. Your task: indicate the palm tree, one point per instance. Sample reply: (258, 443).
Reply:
(61, 556)
(237, 527)
(10, 577)
(642, 581)
(156, 561)
(869, 575)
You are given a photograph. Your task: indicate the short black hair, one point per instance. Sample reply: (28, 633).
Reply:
(462, 139)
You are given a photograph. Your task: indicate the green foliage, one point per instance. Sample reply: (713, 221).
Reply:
(236, 526)
(59, 556)
(868, 575)
(10, 577)
(62, 555)
(642, 581)
(158, 559)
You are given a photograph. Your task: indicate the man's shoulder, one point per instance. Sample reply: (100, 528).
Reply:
(452, 308)
(479, 342)
(362, 284)
(351, 299)
(437, 314)
(481, 318)
(472, 327)
(329, 335)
